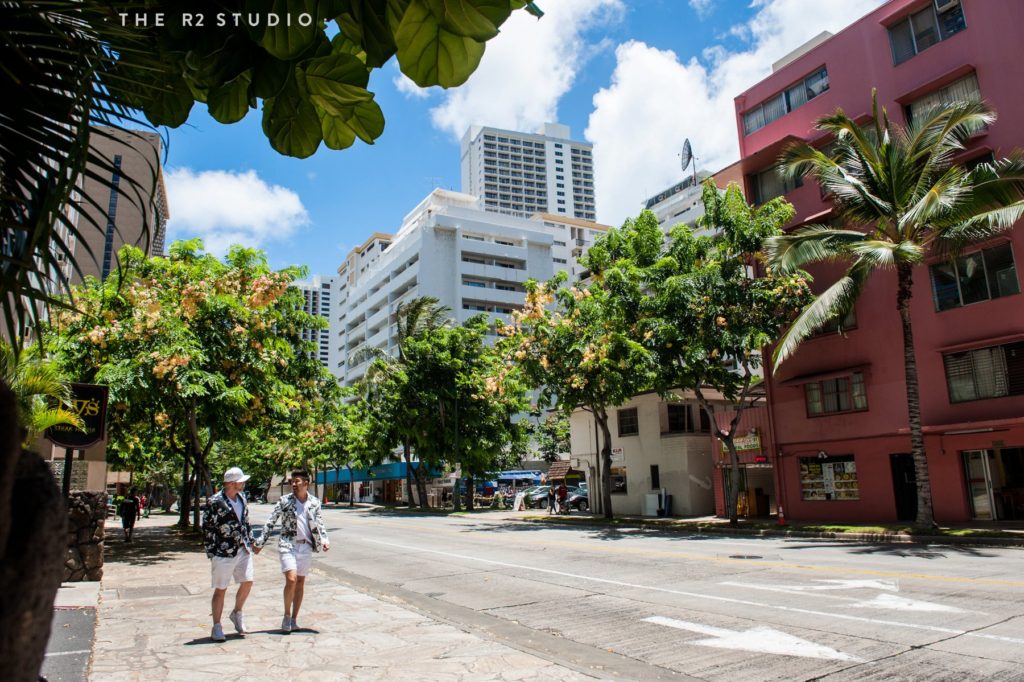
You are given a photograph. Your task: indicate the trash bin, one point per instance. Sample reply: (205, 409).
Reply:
(665, 508)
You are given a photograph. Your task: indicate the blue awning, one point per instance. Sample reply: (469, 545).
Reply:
(393, 471)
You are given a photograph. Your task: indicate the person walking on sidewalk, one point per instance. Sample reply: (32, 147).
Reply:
(302, 533)
(230, 546)
(130, 510)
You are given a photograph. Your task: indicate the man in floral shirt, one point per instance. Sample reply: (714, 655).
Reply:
(230, 545)
(302, 533)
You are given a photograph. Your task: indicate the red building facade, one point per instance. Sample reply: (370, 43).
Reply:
(838, 406)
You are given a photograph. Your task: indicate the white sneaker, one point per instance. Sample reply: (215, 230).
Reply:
(236, 619)
(295, 625)
(217, 634)
(286, 625)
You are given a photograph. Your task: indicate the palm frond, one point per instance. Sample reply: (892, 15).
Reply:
(833, 303)
(790, 252)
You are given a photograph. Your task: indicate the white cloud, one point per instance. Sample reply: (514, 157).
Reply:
(406, 86)
(655, 101)
(525, 72)
(702, 7)
(226, 208)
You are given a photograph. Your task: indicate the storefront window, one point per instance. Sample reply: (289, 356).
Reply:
(829, 478)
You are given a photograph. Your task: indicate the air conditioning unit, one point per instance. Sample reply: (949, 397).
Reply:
(944, 5)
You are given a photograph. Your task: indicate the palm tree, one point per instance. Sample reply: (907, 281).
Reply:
(414, 318)
(905, 199)
(40, 391)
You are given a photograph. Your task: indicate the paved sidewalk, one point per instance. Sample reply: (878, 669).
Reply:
(154, 625)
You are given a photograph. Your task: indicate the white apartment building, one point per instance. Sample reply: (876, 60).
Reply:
(448, 247)
(522, 174)
(679, 204)
(316, 295)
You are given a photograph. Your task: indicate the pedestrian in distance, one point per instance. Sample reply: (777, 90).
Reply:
(302, 533)
(552, 502)
(563, 496)
(130, 511)
(230, 546)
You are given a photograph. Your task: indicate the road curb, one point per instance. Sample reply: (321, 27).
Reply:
(877, 538)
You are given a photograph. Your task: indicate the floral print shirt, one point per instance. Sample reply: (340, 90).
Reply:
(223, 533)
(284, 511)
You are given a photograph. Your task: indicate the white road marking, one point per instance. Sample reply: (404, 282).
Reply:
(69, 653)
(891, 601)
(882, 601)
(708, 597)
(759, 639)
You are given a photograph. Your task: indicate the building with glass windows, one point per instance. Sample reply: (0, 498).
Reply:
(116, 211)
(838, 407)
(523, 174)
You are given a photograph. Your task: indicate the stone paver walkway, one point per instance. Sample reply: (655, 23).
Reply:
(154, 624)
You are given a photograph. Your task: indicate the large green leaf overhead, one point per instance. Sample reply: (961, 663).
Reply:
(431, 54)
(247, 50)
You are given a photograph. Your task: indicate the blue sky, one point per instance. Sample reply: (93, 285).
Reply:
(634, 77)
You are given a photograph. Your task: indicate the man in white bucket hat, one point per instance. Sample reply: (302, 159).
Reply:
(230, 545)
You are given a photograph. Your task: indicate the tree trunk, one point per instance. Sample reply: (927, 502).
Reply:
(407, 455)
(351, 486)
(32, 550)
(185, 499)
(470, 493)
(606, 462)
(421, 485)
(905, 279)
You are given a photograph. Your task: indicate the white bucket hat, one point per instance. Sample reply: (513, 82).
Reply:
(235, 475)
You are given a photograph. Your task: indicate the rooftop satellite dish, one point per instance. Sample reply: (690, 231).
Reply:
(686, 156)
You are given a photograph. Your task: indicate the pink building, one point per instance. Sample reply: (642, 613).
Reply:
(838, 407)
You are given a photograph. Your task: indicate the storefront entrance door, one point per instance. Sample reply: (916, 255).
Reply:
(904, 485)
(978, 467)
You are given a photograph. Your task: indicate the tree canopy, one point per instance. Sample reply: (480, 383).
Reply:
(196, 352)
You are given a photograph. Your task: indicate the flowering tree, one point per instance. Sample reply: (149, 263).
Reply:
(578, 347)
(712, 311)
(196, 351)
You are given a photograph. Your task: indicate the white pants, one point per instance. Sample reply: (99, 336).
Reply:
(297, 559)
(239, 567)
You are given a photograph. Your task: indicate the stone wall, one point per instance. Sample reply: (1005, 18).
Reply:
(87, 514)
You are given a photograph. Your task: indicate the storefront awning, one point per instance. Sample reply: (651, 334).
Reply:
(393, 471)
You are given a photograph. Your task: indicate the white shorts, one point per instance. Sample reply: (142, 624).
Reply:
(224, 568)
(297, 559)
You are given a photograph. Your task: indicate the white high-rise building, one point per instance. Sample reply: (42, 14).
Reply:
(680, 203)
(316, 295)
(448, 247)
(522, 174)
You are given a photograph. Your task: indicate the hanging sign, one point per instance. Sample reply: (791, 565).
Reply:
(89, 402)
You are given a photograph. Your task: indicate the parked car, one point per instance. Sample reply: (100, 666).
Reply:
(537, 497)
(579, 499)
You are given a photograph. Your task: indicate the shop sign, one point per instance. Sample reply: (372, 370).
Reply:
(748, 442)
(618, 455)
(760, 459)
(89, 402)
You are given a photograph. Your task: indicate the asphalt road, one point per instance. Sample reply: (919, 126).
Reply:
(634, 604)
